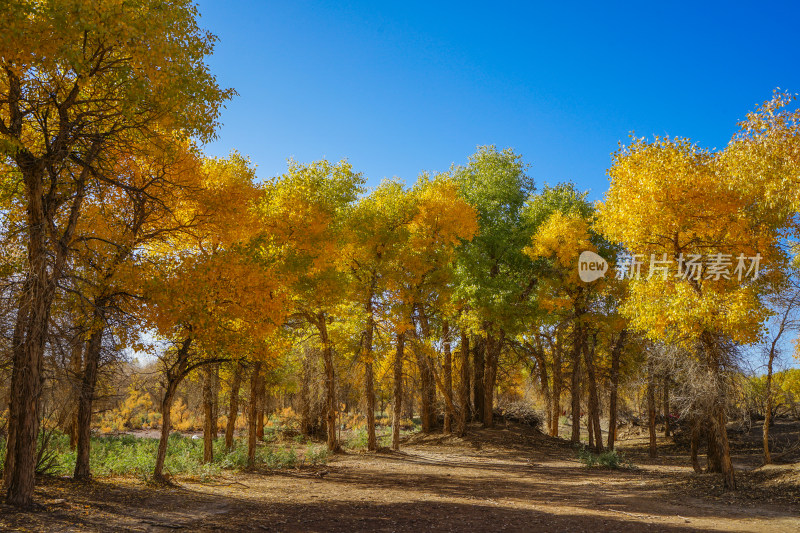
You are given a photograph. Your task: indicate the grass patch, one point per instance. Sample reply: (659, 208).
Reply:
(358, 439)
(127, 455)
(608, 459)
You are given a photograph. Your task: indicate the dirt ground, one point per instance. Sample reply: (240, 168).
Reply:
(505, 479)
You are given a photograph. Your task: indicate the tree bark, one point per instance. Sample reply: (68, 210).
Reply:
(330, 382)
(651, 409)
(463, 386)
(233, 406)
(208, 414)
(44, 268)
(44, 205)
(719, 457)
(398, 391)
(26, 375)
(494, 345)
(261, 401)
(537, 350)
(478, 360)
(695, 443)
(769, 406)
(773, 351)
(576, 386)
(85, 400)
(713, 452)
(448, 377)
(427, 381)
(667, 428)
(767, 421)
(305, 395)
(369, 385)
(557, 381)
(369, 379)
(594, 403)
(616, 353)
(252, 415)
(166, 423)
(76, 365)
(174, 376)
(719, 424)
(425, 386)
(215, 400)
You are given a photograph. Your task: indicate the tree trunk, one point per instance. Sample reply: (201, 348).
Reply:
(174, 376)
(720, 430)
(557, 380)
(26, 377)
(305, 396)
(576, 386)
(768, 410)
(264, 403)
(494, 344)
(85, 399)
(594, 403)
(76, 365)
(651, 409)
(448, 377)
(427, 381)
(208, 414)
(252, 415)
(215, 400)
(666, 407)
(35, 303)
(260, 408)
(233, 406)
(426, 384)
(544, 380)
(695, 443)
(398, 391)
(478, 365)
(17, 354)
(330, 383)
(719, 454)
(166, 422)
(713, 452)
(463, 386)
(616, 352)
(369, 379)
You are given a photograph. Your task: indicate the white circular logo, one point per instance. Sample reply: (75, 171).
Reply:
(591, 266)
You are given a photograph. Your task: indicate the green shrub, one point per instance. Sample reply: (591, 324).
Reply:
(280, 458)
(608, 459)
(358, 440)
(317, 455)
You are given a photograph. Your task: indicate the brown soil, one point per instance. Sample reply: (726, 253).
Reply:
(505, 479)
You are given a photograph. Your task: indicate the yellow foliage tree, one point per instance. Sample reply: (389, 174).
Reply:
(708, 251)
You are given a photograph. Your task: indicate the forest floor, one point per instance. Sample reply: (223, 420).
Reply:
(510, 478)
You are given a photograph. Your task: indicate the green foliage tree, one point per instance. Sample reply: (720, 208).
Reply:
(494, 279)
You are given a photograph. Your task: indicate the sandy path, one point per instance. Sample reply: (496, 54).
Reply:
(475, 485)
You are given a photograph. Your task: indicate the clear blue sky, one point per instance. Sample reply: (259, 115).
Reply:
(402, 87)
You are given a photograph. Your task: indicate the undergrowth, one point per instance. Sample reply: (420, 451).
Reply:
(607, 459)
(128, 455)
